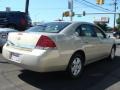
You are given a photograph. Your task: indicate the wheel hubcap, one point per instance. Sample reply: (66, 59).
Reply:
(76, 66)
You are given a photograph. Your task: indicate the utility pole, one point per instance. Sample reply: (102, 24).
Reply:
(70, 7)
(27, 7)
(115, 8)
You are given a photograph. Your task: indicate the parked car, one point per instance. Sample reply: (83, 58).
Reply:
(15, 19)
(56, 46)
(4, 35)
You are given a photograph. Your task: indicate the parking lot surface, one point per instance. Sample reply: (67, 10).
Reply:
(102, 75)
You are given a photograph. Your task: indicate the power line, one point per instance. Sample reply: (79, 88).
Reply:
(80, 1)
(90, 6)
(97, 5)
(93, 5)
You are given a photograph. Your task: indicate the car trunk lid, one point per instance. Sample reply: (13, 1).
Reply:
(32, 40)
(23, 40)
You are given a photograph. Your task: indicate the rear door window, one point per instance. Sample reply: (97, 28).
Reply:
(86, 30)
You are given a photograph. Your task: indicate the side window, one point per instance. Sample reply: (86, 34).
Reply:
(100, 33)
(78, 30)
(87, 30)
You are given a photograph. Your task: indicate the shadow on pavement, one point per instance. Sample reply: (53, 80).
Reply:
(93, 74)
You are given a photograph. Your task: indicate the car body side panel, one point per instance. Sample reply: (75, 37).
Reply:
(94, 48)
(106, 46)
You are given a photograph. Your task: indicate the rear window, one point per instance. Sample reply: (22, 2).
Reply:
(52, 27)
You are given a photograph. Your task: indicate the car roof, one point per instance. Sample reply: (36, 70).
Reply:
(81, 22)
(72, 22)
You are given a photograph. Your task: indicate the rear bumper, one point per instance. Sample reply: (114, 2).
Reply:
(36, 60)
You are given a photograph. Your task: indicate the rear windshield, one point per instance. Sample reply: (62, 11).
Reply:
(52, 27)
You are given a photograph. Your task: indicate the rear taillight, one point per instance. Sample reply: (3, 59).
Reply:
(45, 42)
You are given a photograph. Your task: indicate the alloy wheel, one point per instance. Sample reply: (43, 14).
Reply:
(76, 66)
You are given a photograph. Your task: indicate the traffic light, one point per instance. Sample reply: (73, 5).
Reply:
(100, 1)
(97, 1)
(67, 14)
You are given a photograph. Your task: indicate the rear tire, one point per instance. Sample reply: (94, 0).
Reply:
(75, 66)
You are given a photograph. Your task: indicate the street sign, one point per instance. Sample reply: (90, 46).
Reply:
(105, 19)
(102, 20)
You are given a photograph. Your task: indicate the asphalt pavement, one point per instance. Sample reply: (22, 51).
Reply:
(101, 75)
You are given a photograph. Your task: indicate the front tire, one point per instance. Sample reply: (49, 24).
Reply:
(112, 54)
(75, 66)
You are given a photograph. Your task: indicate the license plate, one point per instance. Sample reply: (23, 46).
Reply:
(15, 57)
